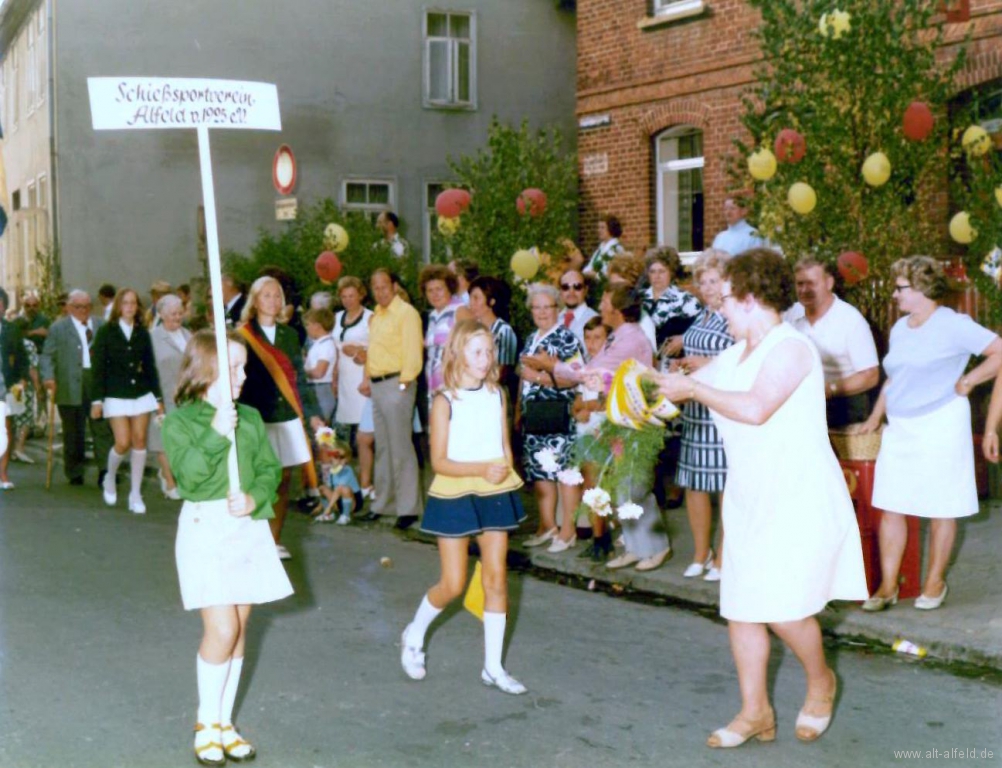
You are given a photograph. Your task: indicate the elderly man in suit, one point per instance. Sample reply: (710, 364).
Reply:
(14, 369)
(66, 371)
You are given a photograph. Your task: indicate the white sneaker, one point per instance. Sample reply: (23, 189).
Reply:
(282, 552)
(713, 574)
(344, 518)
(136, 505)
(411, 658)
(558, 545)
(503, 682)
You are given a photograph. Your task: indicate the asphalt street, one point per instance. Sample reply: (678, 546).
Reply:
(97, 664)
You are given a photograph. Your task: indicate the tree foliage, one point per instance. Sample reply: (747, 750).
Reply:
(846, 94)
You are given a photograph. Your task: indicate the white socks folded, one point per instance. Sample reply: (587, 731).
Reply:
(217, 689)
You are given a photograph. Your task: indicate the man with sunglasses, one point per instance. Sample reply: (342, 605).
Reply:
(574, 294)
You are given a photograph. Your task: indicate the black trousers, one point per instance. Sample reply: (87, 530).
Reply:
(75, 419)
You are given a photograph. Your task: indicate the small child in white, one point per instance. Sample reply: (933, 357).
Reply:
(338, 482)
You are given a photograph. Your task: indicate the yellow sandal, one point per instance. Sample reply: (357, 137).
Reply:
(234, 744)
(211, 744)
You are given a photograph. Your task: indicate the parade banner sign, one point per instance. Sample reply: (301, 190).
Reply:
(150, 103)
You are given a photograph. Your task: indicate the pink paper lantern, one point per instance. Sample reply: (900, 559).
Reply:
(853, 267)
(790, 146)
(328, 266)
(531, 200)
(917, 121)
(452, 202)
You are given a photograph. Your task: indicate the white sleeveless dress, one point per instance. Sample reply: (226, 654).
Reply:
(792, 541)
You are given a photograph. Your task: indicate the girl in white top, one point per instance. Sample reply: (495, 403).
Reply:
(474, 493)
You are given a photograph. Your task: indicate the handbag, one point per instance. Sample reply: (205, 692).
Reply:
(546, 417)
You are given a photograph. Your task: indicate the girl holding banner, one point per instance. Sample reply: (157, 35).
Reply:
(277, 387)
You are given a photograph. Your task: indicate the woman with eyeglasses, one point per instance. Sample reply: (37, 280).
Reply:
(925, 466)
(670, 308)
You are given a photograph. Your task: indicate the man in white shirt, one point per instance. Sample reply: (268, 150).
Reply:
(65, 365)
(574, 295)
(844, 339)
(739, 236)
(388, 223)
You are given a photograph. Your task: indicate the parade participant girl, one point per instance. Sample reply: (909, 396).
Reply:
(474, 493)
(126, 392)
(226, 559)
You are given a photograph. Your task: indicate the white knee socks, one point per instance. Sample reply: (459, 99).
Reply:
(230, 691)
(425, 615)
(114, 462)
(211, 682)
(494, 625)
(138, 466)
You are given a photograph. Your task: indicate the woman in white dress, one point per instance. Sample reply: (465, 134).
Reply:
(351, 334)
(928, 435)
(793, 542)
(169, 341)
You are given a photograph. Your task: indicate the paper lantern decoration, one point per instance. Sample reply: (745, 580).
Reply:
(802, 198)
(531, 200)
(790, 146)
(998, 196)
(961, 230)
(853, 267)
(975, 141)
(876, 169)
(452, 202)
(762, 164)
(917, 121)
(525, 264)
(992, 265)
(448, 226)
(335, 237)
(835, 24)
(328, 267)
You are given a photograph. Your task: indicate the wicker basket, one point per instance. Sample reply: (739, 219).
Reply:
(856, 447)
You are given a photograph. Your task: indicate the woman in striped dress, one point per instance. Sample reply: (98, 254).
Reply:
(489, 301)
(702, 466)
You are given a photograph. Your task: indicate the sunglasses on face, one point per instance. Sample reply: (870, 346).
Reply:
(571, 286)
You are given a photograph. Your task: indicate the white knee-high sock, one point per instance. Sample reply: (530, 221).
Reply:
(426, 614)
(494, 625)
(211, 682)
(114, 462)
(138, 466)
(230, 691)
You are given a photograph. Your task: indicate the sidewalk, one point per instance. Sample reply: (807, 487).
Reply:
(968, 628)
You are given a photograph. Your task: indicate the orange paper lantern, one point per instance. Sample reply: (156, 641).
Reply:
(853, 267)
(917, 121)
(531, 200)
(328, 267)
(790, 146)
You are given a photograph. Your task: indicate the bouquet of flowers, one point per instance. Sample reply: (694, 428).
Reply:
(625, 448)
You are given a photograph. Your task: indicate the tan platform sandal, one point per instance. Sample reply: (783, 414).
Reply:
(740, 730)
(810, 727)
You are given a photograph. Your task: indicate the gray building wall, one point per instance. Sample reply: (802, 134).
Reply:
(349, 77)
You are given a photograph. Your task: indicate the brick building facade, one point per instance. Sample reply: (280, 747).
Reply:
(659, 84)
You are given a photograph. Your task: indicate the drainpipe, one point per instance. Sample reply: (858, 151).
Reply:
(53, 175)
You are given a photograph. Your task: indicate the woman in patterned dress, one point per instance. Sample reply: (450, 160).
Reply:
(552, 339)
(439, 286)
(702, 466)
(672, 309)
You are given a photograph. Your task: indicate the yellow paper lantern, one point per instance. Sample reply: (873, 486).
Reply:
(525, 264)
(835, 24)
(876, 169)
(802, 198)
(335, 238)
(448, 226)
(762, 164)
(961, 229)
(998, 196)
(975, 141)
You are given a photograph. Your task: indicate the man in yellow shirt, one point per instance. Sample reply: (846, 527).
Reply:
(392, 365)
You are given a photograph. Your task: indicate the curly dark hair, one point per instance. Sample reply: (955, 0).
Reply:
(764, 274)
(496, 293)
(924, 273)
(438, 272)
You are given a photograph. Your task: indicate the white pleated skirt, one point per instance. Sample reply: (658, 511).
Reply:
(226, 560)
(120, 406)
(926, 464)
(288, 440)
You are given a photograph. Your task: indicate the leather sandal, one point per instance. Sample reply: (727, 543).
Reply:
(503, 682)
(235, 746)
(740, 730)
(810, 727)
(209, 745)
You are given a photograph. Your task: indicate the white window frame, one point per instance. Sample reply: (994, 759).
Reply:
(453, 61)
(372, 210)
(668, 235)
(15, 89)
(31, 198)
(678, 9)
(43, 190)
(31, 71)
(42, 59)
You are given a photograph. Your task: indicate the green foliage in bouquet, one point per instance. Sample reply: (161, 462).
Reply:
(624, 457)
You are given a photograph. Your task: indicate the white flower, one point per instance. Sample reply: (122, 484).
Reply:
(598, 501)
(547, 458)
(629, 511)
(570, 476)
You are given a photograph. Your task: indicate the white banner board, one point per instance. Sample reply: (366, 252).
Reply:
(141, 103)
